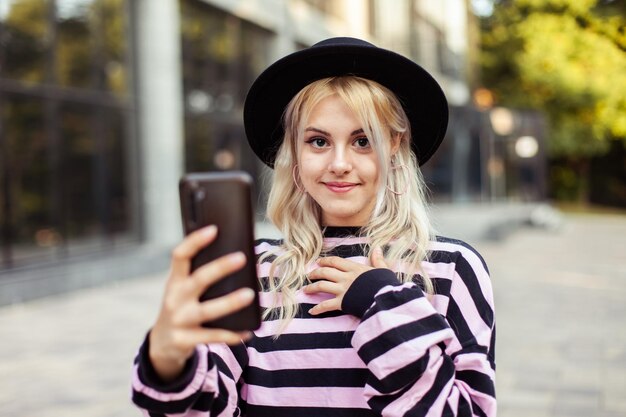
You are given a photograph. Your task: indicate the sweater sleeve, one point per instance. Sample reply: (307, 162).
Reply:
(208, 385)
(419, 361)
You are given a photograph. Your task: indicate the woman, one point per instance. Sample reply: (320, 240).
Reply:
(366, 313)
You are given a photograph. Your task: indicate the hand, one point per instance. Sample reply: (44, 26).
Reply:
(178, 328)
(335, 275)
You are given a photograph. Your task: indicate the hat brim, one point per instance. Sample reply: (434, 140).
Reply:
(420, 95)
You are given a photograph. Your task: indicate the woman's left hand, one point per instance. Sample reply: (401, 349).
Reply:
(335, 275)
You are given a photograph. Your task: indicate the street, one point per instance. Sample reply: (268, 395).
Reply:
(560, 311)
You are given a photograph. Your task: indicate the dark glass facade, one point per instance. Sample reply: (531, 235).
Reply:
(222, 55)
(66, 129)
(456, 171)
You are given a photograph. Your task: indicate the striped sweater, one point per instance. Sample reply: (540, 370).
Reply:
(391, 351)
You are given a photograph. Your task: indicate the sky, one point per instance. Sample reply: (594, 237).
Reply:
(482, 8)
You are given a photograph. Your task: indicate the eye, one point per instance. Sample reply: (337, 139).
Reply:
(362, 142)
(317, 142)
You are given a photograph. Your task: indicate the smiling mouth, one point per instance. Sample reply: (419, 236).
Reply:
(340, 187)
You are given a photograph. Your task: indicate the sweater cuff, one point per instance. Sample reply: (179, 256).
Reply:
(360, 295)
(150, 378)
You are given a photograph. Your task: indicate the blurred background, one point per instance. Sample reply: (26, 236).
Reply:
(104, 104)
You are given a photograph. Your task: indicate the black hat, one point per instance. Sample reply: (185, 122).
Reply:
(421, 97)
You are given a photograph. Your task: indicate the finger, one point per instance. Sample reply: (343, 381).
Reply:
(187, 249)
(323, 286)
(325, 306)
(338, 263)
(210, 273)
(222, 306)
(377, 258)
(327, 273)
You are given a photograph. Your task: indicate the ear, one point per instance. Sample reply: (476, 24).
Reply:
(396, 139)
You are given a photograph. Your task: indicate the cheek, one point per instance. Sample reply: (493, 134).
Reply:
(371, 169)
(310, 168)
(307, 176)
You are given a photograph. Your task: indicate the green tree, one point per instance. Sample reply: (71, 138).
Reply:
(568, 59)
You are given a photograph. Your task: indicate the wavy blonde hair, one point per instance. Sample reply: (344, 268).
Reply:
(399, 223)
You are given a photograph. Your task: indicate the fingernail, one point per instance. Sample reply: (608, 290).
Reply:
(246, 294)
(210, 230)
(237, 257)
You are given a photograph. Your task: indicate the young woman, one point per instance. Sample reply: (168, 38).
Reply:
(366, 312)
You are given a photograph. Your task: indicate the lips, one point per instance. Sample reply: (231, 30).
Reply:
(340, 187)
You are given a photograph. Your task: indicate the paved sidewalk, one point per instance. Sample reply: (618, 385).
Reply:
(561, 311)
(561, 318)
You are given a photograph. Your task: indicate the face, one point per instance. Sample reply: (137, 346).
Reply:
(338, 167)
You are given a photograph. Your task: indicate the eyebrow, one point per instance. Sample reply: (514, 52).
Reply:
(323, 132)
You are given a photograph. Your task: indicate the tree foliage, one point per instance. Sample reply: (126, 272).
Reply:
(566, 58)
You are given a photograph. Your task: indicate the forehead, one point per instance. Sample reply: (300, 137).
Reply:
(332, 110)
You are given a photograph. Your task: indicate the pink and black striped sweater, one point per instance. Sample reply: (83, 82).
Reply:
(392, 351)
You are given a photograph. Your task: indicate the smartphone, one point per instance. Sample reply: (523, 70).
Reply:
(224, 199)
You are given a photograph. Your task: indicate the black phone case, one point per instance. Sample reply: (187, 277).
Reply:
(224, 199)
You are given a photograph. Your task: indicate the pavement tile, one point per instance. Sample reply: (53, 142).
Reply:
(524, 399)
(615, 402)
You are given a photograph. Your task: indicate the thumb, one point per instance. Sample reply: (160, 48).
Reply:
(377, 258)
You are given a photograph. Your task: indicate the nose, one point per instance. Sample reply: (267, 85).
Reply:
(340, 164)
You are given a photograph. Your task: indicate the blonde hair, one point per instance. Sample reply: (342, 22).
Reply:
(399, 223)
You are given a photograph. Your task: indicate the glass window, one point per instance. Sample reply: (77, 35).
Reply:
(77, 47)
(24, 31)
(27, 203)
(254, 56)
(222, 55)
(81, 159)
(115, 47)
(66, 115)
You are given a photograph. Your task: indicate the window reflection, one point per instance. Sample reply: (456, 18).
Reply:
(23, 38)
(94, 190)
(76, 49)
(87, 37)
(114, 46)
(221, 57)
(27, 203)
(65, 118)
(80, 164)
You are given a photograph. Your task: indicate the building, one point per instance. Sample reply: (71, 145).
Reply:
(106, 103)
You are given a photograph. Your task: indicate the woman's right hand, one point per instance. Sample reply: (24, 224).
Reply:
(178, 328)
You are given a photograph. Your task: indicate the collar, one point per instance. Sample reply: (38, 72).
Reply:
(341, 231)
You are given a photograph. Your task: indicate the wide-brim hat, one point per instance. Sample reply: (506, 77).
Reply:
(420, 95)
